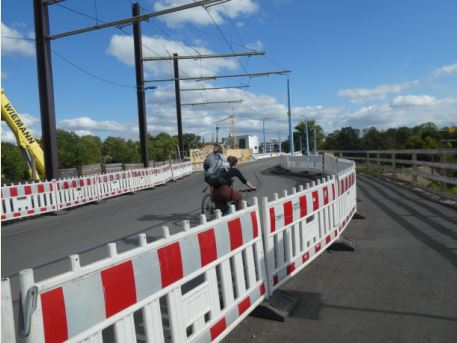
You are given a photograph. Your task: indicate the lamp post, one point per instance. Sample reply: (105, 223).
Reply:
(289, 113)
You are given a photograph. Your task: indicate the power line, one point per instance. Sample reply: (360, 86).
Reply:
(89, 73)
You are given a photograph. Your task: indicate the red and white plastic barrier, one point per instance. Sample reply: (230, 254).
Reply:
(197, 285)
(297, 228)
(24, 200)
(180, 170)
(209, 278)
(76, 191)
(311, 163)
(141, 179)
(113, 184)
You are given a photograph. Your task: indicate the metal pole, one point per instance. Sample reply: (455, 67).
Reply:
(315, 140)
(46, 89)
(140, 87)
(264, 141)
(289, 113)
(307, 137)
(280, 147)
(178, 107)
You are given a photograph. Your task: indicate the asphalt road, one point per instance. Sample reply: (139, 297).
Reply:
(44, 243)
(400, 285)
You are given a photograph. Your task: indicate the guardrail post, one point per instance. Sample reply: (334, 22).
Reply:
(414, 159)
(443, 185)
(378, 164)
(394, 165)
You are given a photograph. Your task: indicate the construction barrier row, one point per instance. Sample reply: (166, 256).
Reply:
(24, 200)
(195, 285)
(310, 163)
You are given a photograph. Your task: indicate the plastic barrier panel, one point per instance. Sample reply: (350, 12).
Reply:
(182, 169)
(19, 201)
(164, 174)
(195, 286)
(297, 228)
(312, 163)
(8, 332)
(142, 179)
(76, 191)
(113, 184)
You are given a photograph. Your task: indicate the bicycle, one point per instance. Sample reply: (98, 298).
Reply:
(209, 205)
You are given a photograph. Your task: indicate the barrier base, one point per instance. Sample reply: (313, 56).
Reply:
(357, 215)
(342, 244)
(277, 307)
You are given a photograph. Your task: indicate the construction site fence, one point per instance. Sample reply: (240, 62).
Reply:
(196, 285)
(31, 199)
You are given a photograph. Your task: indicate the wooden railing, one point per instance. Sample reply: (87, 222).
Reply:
(442, 164)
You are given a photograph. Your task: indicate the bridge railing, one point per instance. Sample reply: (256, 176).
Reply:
(423, 168)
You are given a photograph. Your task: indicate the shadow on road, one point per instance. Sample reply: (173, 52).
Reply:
(311, 305)
(380, 198)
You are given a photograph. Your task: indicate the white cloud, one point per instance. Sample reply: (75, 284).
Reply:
(258, 45)
(4, 75)
(250, 113)
(414, 100)
(358, 95)
(407, 110)
(12, 44)
(29, 120)
(122, 48)
(81, 133)
(199, 15)
(7, 135)
(446, 70)
(83, 124)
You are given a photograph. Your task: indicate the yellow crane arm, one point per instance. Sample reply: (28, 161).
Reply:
(24, 137)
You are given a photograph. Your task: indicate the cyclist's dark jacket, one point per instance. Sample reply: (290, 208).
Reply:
(230, 174)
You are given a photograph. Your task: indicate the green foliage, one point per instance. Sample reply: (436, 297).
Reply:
(300, 129)
(346, 138)
(75, 151)
(191, 141)
(118, 150)
(162, 147)
(14, 168)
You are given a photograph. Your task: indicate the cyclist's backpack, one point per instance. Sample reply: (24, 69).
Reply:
(215, 168)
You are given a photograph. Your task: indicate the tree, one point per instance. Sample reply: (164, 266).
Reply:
(162, 147)
(67, 148)
(347, 138)
(191, 141)
(14, 168)
(372, 139)
(90, 149)
(117, 150)
(300, 129)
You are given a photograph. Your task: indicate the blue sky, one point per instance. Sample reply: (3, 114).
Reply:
(361, 63)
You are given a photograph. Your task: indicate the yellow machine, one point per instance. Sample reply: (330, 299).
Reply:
(30, 148)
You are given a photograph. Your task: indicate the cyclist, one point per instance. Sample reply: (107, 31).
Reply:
(224, 192)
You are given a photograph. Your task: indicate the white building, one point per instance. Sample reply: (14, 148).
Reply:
(244, 142)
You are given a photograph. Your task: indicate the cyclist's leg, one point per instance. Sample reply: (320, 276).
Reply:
(221, 197)
(238, 198)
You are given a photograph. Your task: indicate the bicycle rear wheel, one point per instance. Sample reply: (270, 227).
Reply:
(208, 207)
